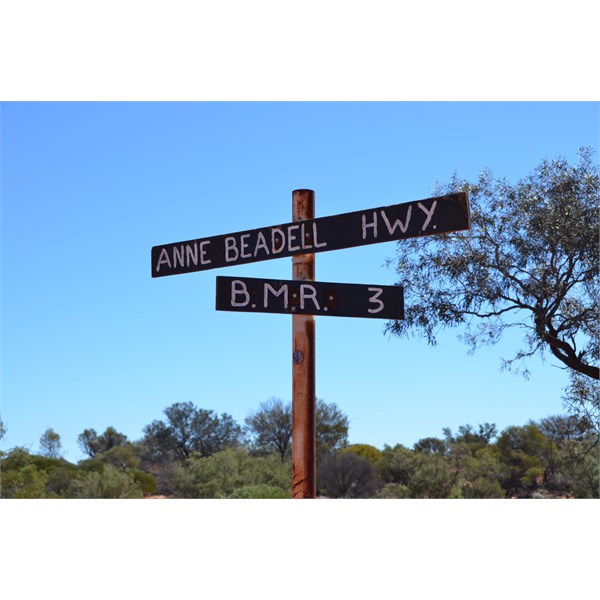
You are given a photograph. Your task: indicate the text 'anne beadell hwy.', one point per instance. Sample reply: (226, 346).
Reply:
(410, 219)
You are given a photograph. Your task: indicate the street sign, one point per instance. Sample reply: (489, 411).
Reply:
(302, 297)
(442, 214)
(298, 297)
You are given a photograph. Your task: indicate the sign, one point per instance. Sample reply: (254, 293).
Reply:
(388, 223)
(299, 297)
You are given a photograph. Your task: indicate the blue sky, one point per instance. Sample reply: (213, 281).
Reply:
(90, 340)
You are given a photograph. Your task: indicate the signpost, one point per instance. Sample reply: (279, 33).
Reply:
(304, 426)
(303, 297)
(309, 236)
(310, 298)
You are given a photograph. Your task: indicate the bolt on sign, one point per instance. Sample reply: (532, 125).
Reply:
(385, 224)
(302, 297)
(310, 298)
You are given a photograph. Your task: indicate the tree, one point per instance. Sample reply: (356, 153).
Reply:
(346, 475)
(527, 454)
(27, 482)
(529, 261)
(50, 445)
(372, 454)
(582, 401)
(190, 430)
(331, 427)
(121, 457)
(111, 438)
(229, 473)
(271, 426)
(431, 445)
(469, 438)
(397, 465)
(107, 482)
(88, 442)
(2, 429)
(91, 443)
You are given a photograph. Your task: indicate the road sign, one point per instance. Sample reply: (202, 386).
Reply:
(297, 297)
(442, 214)
(303, 297)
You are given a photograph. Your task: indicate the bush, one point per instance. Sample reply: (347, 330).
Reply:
(346, 475)
(109, 483)
(219, 475)
(260, 491)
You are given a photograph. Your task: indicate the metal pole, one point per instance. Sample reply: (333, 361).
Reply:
(304, 461)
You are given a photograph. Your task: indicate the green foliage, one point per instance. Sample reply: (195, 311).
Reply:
(50, 444)
(331, 427)
(189, 430)
(121, 457)
(88, 442)
(346, 475)
(584, 476)
(145, 481)
(480, 476)
(433, 477)
(431, 445)
(391, 491)
(270, 427)
(260, 491)
(557, 457)
(26, 482)
(366, 451)
(530, 260)
(219, 475)
(91, 443)
(25, 475)
(397, 465)
(60, 480)
(107, 483)
(582, 401)
(526, 452)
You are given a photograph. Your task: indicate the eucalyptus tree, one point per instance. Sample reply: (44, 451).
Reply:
(50, 444)
(189, 430)
(529, 261)
(270, 427)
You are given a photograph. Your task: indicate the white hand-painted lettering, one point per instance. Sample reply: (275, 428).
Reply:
(305, 288)
(292, 236)
(397, 223)
(163, 258)
(282, 237)
(244, 245)
(261, 243)
(282, 290)
(231, 251)
(375, 299)
(429, 214)
(366, 225)
(238, 288)
(204, 252)
(178, 255)
(305, 235)
(317, 245)
(191, 254)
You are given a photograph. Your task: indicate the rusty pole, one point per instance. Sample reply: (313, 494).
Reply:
(304, 461)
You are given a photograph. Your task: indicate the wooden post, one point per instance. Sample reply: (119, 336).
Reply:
(304, 462)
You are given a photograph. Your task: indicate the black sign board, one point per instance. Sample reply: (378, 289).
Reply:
(388, 223)
(310, 298)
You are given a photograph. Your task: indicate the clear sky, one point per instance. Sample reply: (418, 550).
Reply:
(90, 340)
